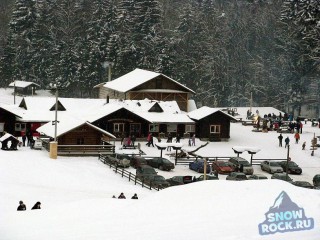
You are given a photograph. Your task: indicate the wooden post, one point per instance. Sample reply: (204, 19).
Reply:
(53, 150)
(205, 169)
(287, 165)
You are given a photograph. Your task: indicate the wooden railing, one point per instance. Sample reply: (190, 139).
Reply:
(124, 173)
(76, 150)
(253, 161)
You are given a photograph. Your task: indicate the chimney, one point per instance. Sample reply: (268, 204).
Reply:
(107, 98)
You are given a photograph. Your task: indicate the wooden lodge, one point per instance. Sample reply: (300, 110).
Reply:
(141, 84)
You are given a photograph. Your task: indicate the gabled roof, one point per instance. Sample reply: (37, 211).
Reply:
(135, 78)
(205, 111)
(22, 84)
(67, 124)
(8, 136)
(39, 109)
(14, 109)
(170, 113)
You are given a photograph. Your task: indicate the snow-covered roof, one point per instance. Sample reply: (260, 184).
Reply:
(66, 124)
(134, 79)
(171, 111)
(206, 111)
(191, 105)
(38, 109)
(6, 136)
(14, 109)
(22, 84)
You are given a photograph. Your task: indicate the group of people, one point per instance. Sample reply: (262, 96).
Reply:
(128, 141)
(287, 140)
(22, 206)
(122, 196)
(27, 136)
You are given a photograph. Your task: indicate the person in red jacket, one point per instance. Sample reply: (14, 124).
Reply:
(297, 137)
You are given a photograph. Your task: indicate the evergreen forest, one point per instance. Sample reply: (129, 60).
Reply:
(227, 51)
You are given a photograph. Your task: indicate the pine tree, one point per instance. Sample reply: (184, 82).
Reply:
(21, 32)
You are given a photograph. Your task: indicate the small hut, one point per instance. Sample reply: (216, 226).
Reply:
(24, 87)
(6, 138)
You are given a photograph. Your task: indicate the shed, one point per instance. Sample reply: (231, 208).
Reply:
(6, 138)
(211, 123)
(24, 87)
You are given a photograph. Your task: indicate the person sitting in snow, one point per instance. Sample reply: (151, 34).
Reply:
(121, 196)
(21, 207)
(36, 206)
(135, 196)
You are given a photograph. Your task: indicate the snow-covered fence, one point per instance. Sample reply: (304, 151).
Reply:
(124, 173)
(186, 161)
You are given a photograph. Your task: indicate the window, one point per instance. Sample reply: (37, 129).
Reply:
(80, 141)
(190, 128)
(135, 127)
(118, 127)
(171, 127)
(20, 126)
(215, 129)
(153, 127)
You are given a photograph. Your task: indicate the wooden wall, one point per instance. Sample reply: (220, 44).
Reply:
(9, 121)
(89, 135)
(218, 118)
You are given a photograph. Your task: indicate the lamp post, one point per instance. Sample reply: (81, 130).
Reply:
(54, 144)
(56, 116)
(14, 92)
(287, 165)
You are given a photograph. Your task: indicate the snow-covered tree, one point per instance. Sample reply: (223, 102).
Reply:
(21, 32)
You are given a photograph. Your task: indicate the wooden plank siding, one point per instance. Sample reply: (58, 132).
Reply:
(217, 118)
(163, 89)
(128, 118)
(83, 135)
(8, 119)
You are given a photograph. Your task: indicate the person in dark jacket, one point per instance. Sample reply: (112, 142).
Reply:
(135, 196)
(21, 207)
(241, 168)
(24, 138)
(280, 137)
(121, 196)
(287, 141)
(36, 206)
(178, 138)
(133, 139)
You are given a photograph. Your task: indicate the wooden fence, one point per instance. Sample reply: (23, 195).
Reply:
(253, 161)
(124, 173)
(80, 150)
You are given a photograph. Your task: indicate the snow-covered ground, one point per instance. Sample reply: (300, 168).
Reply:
(76, 196)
